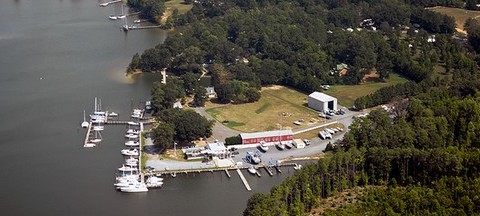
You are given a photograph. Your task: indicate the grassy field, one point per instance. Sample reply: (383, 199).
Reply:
(278, 106)
(460, 15)
(175, 4)
(346, 94)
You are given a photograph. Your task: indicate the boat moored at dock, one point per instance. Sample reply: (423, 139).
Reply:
(130, 152)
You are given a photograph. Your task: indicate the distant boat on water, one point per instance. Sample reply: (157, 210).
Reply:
(84, 123)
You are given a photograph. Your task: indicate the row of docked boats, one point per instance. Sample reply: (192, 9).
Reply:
(280, 145)
(328, 132)
(96, 120)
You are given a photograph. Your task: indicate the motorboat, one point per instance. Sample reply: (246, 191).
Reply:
(154, 181)
(327, 134)
(322, 134)
(340, 129)
(84, 123)
(132, 143)
(97, 137)
(131, 164)
(133, 123)
(100, 113)
(127, 178)
(112, 114)
(96, 140)
(122, 16)
(252, 170)
(131, 159)
(263, 146)
(127, 169)
(98, 128)
(133, 131)
(289, 145)
(139, 21)
(135, 188)
(280, 146)
(130, 152)
(112, 17)
(103, 4)
(131, 136)
(89, 145)
(335, 130)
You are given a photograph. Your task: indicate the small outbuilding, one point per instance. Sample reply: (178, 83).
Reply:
(322, 102)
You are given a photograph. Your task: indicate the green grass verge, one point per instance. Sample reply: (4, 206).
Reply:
(213, 112)
(233, 124)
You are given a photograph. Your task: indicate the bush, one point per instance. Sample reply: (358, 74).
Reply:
(234, 140)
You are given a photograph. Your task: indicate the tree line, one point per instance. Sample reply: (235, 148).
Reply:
(249, 44)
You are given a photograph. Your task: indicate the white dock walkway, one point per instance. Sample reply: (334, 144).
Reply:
(244, 180)
(88, 133)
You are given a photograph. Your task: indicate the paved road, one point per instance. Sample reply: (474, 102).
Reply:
(220, 131)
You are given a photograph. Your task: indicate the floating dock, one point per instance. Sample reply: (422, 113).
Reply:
(244, 180)
(88, 133)
(228, 174)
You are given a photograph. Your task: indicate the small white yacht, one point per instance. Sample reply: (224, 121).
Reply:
(131, 160)
(132, 143)
(112, 17)
(127, 169)
(130, 152)
(135, 188)
(297, 167)
(112, 114)
(252, 170)
(89, 145)
(133, 131)
(288, 145)
(133, 123)
(154, 181)
(131, 136)
(98, 128)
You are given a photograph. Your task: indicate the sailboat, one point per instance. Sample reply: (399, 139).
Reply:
(84, 123)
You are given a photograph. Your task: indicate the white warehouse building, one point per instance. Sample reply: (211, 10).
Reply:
(322, 102)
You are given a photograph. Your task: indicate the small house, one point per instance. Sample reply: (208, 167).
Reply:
(211, 92)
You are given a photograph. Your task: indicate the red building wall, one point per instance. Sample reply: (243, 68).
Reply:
(267, 139)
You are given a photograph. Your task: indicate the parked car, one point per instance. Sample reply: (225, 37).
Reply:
(307, 142)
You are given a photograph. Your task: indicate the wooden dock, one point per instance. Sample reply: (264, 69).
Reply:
(247, 186)
(268, 170)
(88, 133)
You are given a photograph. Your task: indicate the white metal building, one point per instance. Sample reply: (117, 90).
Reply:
(322, 102)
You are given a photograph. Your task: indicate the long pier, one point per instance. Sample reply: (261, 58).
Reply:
(109, 3)
(244, 180)
(88, 133)
(143, 27)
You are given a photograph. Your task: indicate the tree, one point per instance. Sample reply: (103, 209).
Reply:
(163, 136)
(134, 63)
(190, 82)
(190, 126)
(200, 96)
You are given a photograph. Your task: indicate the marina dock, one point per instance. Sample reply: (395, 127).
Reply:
(88, 133)
(244, 180)
(228, 174)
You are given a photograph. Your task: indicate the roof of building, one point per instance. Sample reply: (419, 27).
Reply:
(342, 66)
(178, 105)
(210, 90)
(321, 96)
(216, 146)
(266, 134)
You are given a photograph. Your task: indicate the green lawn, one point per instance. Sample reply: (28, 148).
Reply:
(346, 94)
(178, 4)
(278, 107)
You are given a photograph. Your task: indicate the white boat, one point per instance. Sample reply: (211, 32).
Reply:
(340, 129)
(97, 137)
(133, 131)
(130, 152)
(112, 114)
(127, 178)
(263, 146)
(84, 123)
(103, 4)
(135, 188)
(131, 136)
(138, 21)
(127, 169)
(121, 16)
(131, 160)
(322, 135)
(133, 123)
(288, 145)
(132, 143)
(98, 128)
(252, 170)
(89, 145)
(131, 164)
(280, 146)
(154, 181)
(253, 157)
(112, 17)
(327, 134)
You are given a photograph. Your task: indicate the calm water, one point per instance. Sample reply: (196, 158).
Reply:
(55, 57)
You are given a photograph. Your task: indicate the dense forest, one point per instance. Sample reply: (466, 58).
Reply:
(299, 43)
